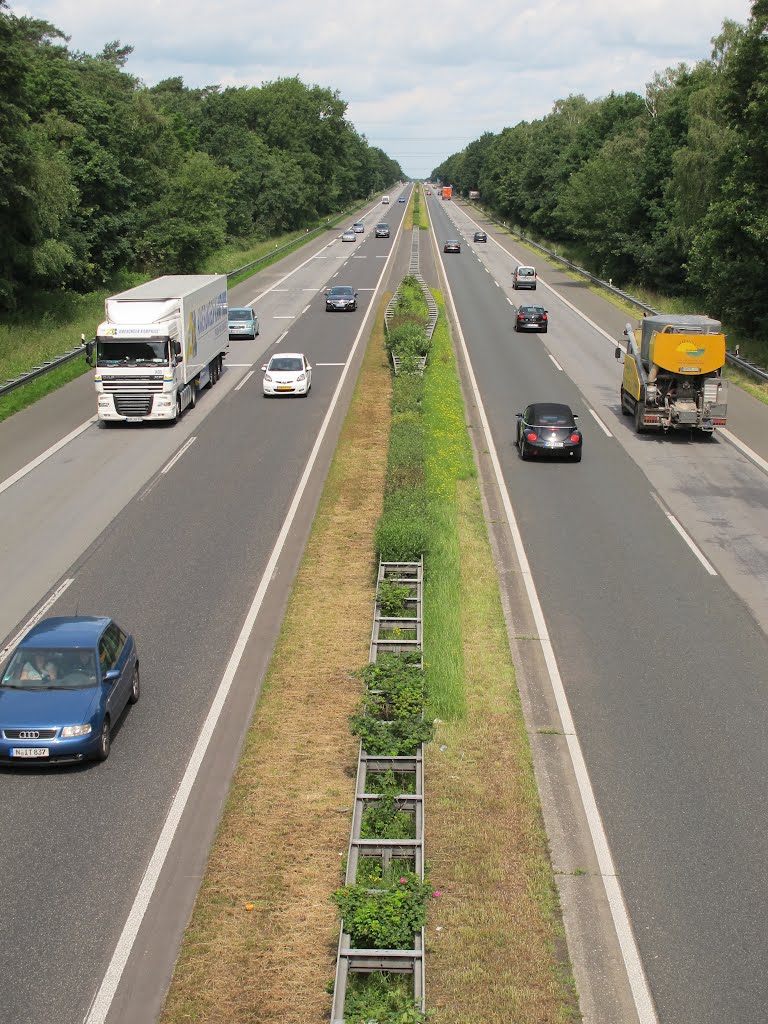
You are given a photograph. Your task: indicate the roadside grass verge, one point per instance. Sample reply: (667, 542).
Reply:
(285, 827)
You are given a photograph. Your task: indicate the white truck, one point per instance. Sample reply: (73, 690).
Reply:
(160, 343)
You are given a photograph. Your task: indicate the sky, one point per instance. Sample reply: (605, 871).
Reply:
(421, 81)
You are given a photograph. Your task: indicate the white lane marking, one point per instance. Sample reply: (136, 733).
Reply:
(35, 618)
(497, 283)
(187, 444)
(244, 381)
(20, 473)
(555, 362)
(510, 301)
(341, 257)
(630, 954)
(317, 257)
(310, 289)
(280, 289)
(281, 337)
(102, 1001)
(284, 316)
(381, 256)
(697, 551)
(600, 423)
(304, 310)
(235, 366)
(366, 289)
(743, 448)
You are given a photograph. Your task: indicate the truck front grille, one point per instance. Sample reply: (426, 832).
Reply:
(133, 405)
(132, 385)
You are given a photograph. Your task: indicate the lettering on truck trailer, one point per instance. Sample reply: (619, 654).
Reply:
(201, 320)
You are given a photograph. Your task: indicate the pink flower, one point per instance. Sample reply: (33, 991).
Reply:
(437, 893)
(403, 881)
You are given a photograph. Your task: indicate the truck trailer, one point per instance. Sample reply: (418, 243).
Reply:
(673, 373)
(160, 343)
(447, 191)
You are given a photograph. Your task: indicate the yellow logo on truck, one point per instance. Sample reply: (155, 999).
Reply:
(689, 349)
(191, 339)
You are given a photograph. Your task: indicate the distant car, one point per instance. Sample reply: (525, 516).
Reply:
(243, 323)
(480, 236)
(452, 245)
(64, 689)
(531, 318)
(429, 191)
(349, 235)
(524, 277)
(287, 373)
(382, 231)
(548, 428)
(401, 199)
(358, 227)
(341, 296)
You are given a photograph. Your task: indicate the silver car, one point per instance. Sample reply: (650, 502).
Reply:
(243, 323)
(349, 236)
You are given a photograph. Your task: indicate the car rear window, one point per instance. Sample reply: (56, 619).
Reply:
(525, 271)
(552, 419)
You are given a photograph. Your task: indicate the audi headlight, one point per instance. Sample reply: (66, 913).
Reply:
(70, 731)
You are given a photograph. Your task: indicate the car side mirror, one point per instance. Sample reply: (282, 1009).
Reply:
(88, 350)
(575, 415)
(264, 369)
(625, 333)
(619, 352)
(355, 294)
(111, 675)
(177, 348)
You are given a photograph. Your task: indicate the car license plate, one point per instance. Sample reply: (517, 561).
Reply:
(29, 751)
(134, 419)
(284, 387)
(554, 444)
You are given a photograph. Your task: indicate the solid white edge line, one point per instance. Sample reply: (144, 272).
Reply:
(244, 381)
(600, 423)
(555, 362)
(36, 617)
(630, 954)
(697, 552)
(20, 473)
(102, 1001)
(172, 462)
(743, 448)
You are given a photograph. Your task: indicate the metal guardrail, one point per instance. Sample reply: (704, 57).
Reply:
(52, 364)
(732, 357)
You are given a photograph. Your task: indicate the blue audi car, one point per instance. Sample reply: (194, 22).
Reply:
(64, 688)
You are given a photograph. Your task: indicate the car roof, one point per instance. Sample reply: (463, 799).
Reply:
(549, 409)
(67, 631)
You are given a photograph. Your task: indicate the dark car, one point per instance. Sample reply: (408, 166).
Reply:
(382, 231)
(548, 428)
(64, 689)
(480, 236)
(452, 245)
(341, 296)
(531, 318)
(243, 323)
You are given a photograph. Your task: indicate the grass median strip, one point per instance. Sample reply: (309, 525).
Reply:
(287, 819)
(261, 943)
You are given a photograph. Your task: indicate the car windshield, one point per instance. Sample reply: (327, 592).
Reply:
(525, 272)
(359, 224)
(51, 669)
(341, 290)
(285, 363)
(131, 353)
(240, 314)
(547, 416)
(383, 227)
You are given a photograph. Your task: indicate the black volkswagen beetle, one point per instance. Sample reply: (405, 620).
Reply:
(548, 428)
(480, 236)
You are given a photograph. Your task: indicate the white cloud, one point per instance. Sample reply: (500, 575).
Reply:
(420, 83)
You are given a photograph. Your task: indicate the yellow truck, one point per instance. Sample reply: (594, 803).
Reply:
(673, 373)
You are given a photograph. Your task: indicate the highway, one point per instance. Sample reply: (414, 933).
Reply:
(174, 549)
(651, 563)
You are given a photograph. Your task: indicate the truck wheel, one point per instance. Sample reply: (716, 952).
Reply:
(624, 410)
(639, 428)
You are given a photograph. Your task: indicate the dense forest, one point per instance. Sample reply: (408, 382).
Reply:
(667, 190)
(99, 173)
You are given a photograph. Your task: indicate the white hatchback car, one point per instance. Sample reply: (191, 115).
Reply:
(287, 373)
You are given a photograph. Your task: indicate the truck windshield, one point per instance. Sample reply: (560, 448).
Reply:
(122, 352)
